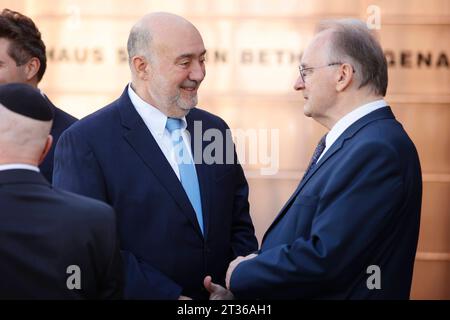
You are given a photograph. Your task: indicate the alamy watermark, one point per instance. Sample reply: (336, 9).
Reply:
(373, 21)
(74, 279)
(258, 147)
(374, 280)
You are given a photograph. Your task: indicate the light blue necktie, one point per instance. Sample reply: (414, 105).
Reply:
(188, 175)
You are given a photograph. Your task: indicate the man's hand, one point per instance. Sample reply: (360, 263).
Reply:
(233, 266)
(184, 298)
(216, 292)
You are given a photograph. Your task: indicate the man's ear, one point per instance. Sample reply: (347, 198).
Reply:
(48, 145)
(141, 67)
(32, 68)
(345, 76)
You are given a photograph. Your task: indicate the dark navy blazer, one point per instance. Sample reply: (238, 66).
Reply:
(111, 155)
(359, 207)
(44, 231)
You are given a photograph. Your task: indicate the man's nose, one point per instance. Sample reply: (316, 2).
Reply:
(299, 84)
(198, 72)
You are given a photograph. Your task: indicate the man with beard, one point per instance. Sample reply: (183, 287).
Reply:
(178, 219)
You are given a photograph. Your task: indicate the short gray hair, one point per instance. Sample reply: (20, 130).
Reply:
(352, 39)
(139, 42)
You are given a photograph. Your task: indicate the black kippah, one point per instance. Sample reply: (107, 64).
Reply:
(25, 100)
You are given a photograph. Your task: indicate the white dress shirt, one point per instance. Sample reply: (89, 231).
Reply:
(349, 119)
(155, 121)
(14, 166)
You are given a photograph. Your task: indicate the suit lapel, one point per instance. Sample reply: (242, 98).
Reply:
(336, 146)
(383, 113)
(141, 140)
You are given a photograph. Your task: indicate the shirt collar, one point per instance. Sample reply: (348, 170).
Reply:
(14, 166)
(350, 118)
(154, 119)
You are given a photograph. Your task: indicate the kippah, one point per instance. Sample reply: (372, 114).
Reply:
(25, 100)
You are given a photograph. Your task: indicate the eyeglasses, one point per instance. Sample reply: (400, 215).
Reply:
(303, 71)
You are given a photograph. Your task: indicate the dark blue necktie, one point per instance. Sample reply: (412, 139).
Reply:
(188, 175)
(319, 149)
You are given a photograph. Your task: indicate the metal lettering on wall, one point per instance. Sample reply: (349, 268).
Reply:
(264, 58)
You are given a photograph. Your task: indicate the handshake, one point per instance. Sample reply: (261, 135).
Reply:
(216, 291)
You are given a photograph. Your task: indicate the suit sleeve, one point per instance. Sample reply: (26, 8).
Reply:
(243, 238)
(361, 199)
(76, 169)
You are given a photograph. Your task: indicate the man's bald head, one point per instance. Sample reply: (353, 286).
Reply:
(25, 123)
(152, 29)
(167, 62)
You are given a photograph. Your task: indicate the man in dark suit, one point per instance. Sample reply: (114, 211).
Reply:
(53, 244)
(180, 215)
(350, 229)
(23, 60)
